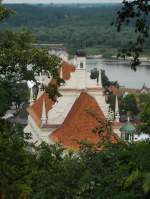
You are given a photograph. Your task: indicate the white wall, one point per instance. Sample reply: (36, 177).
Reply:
(38, 134)
(78, 61)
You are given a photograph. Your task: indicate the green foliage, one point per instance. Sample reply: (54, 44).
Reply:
(18, 93)
(106, 82)
(135, 13)
(130, 104)
(19, 62)
(4, 12)
(15, 161)
(5, 101)
(146, 185)
(92, 173)
(94, 74)
(51, 171)
(143, 100)
(145, 119)
(56, 175)
(135, 175)
(17, 54)
(53, 92)
(72, 26)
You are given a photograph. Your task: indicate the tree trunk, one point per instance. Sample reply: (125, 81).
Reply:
(2, 196)
(25, 196)
(14, 196)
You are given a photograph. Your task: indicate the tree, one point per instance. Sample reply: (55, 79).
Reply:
(4, 12)
(20, 61)
(94, 74)
(145, 119)
(114, 172)
(50, 171)
(17, 54)
(16, 162)
(17, 93)
(106, 82)
(56, 175)
(5, 100)
(135, 12)
(143, 100)
(130, 104)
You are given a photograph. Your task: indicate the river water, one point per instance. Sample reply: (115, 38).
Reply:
(120, 71)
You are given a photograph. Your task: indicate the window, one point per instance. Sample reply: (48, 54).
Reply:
(81, 65)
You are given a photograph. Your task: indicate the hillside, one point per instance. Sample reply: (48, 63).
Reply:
(86, 27)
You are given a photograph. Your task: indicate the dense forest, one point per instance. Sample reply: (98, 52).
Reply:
(84, 27)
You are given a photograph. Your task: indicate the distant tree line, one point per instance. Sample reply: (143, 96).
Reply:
(73, 27)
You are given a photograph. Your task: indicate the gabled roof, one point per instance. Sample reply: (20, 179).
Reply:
(35, 110)
(67, 69)
(79, 123)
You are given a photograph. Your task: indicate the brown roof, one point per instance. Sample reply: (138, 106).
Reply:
(67, 69)
(36, 109)
(79, 123)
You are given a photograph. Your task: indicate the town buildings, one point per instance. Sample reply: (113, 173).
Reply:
(76, 114)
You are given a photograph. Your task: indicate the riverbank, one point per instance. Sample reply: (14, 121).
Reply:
(114, 59)
(111, 53)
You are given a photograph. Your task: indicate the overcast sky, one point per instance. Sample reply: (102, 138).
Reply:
(59, 1)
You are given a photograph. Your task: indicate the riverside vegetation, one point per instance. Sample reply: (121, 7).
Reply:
(72, 26)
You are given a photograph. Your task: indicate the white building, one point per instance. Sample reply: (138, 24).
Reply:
(75, 115)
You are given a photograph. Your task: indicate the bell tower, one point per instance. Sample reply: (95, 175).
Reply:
(80, 60)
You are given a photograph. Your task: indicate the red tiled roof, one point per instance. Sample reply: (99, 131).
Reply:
(67, 69)
(36, 109)
(79, 123)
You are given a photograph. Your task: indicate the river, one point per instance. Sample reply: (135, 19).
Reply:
(120, 71)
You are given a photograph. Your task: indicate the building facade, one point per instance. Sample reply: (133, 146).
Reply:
(74, 116)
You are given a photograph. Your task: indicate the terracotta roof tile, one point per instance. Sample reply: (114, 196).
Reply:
(67, 69)
(79, 123)
(36, 109)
